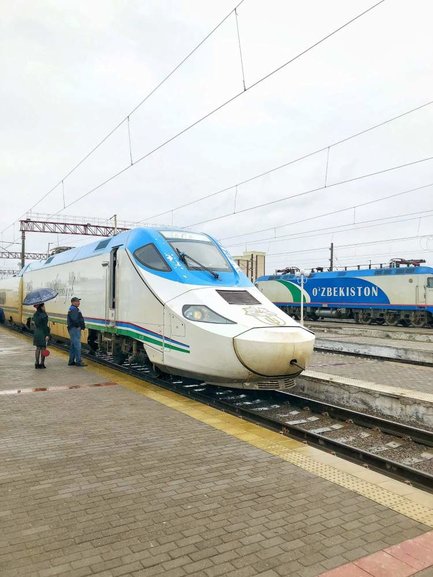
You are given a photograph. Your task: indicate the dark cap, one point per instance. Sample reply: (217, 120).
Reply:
(74, 299)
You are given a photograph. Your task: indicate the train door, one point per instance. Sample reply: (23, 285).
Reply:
(111, 295)
(429, 291)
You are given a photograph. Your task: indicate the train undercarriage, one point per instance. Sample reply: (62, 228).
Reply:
(415, 318)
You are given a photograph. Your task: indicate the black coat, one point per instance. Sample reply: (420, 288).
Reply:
(42, 329)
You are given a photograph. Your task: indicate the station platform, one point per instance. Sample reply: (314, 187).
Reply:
(416, 378)
(106, 475)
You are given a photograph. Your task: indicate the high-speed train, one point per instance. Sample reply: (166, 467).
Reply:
(173, 297)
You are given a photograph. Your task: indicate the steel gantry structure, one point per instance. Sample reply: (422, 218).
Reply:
(82, 229)
(19, 255)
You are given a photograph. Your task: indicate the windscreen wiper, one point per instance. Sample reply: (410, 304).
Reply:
(183, 256)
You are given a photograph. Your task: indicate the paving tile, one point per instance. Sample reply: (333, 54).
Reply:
(382, 564)
(120, 484)
(348, 570)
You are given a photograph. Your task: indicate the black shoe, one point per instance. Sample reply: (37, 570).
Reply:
(71, 364)
(37, 366)
(80, 364)
(42, 366)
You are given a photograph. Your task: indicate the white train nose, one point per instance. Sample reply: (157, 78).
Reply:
(269, 351)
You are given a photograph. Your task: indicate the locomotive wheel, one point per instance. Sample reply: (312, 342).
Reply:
(392, 318)
(419, 319)
(364, 317)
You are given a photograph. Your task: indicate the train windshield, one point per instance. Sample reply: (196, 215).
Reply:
(200, 253)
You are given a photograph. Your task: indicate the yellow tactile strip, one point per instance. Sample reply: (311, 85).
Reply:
(404, 499)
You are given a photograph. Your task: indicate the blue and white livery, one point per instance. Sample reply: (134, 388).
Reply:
(390, 295)
(175, 297)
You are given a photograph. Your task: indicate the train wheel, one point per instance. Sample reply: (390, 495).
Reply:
(392, 318)
(364, 317)
(419, 319)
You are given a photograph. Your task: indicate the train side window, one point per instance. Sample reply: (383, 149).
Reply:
(430, 282)
(149, 256)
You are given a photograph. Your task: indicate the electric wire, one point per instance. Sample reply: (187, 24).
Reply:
(331, 213)
(219, 107)
(290, 162)
(357, 256)
(311, 191)
(353, 245)
(127, 117)
(338, 229)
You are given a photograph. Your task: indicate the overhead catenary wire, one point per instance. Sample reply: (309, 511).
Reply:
(351, 257)
(331, 213)
(339, 229)
(227, 102)
(290, 162)
(127, 117)
(311, 191)
(374, 242)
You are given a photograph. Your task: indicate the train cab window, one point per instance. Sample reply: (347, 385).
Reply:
(150, 257)
(198, 255)
(430, 282)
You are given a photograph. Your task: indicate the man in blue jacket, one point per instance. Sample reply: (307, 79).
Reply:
(76, 324)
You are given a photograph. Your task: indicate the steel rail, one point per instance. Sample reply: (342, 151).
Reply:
(209, 396)
(394, 469)
(421, 436)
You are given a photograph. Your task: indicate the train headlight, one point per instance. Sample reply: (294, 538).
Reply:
(203, 314)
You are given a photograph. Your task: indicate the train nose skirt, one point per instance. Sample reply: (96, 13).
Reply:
(269, 351)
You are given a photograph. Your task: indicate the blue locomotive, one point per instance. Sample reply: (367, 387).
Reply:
(390, 295)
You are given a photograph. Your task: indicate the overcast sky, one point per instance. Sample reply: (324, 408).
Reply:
(71, 71)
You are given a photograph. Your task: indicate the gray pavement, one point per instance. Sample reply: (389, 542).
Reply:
(392, 373)
(17, 356)
(388, 342)
(107, 482)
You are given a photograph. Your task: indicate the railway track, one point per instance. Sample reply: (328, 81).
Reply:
(350, 324)
(398, 450)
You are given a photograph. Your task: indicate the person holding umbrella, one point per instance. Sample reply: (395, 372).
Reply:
(41, 335)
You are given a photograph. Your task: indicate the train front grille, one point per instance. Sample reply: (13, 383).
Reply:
(282, 384)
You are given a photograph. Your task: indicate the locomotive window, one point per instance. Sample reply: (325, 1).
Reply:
(205, 253)
(49, 260)
(150, 257)
(430, 282)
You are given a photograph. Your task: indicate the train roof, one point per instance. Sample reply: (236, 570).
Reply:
(129, 239)
(407, 270)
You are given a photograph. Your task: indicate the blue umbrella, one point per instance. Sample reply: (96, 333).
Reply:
(40, 296)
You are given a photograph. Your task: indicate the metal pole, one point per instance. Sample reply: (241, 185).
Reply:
(331, 260)
(302, 298)
(23, 249)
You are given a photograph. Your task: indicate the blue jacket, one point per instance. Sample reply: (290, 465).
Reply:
(75, 318)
